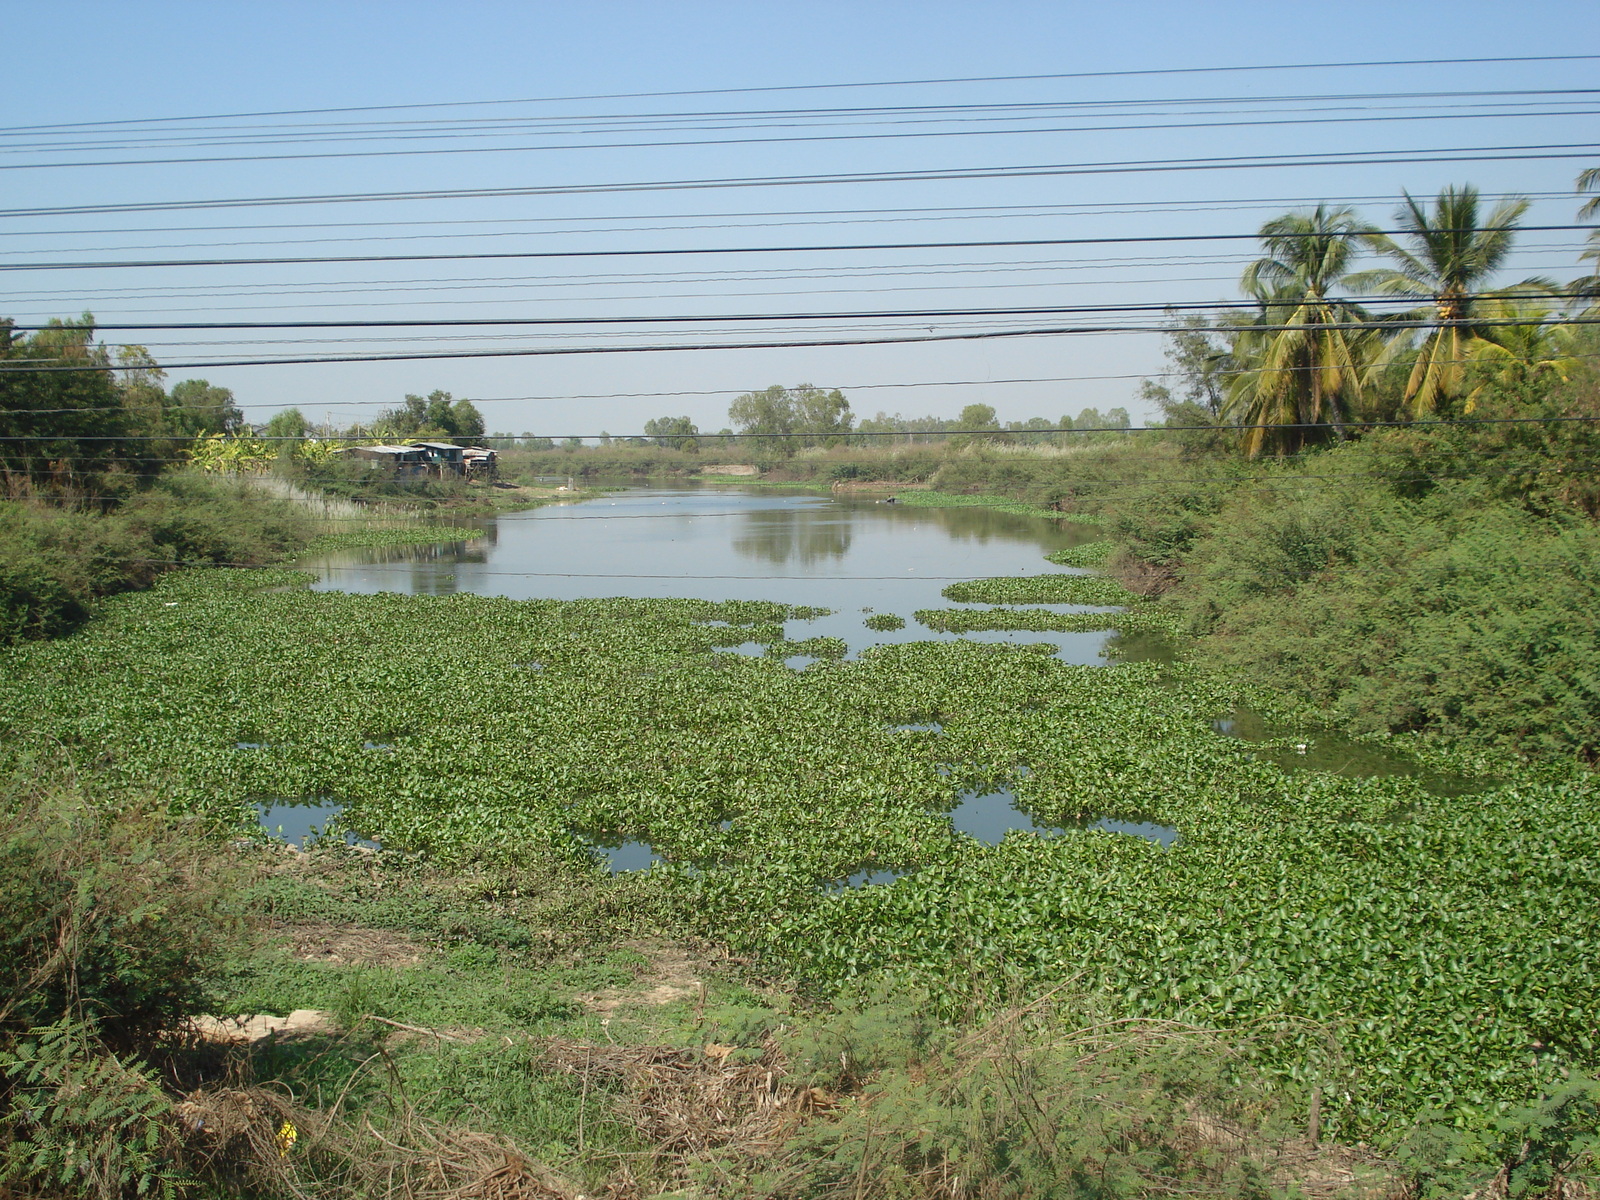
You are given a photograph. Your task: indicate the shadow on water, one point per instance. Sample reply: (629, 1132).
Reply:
(1139, 647)
(803, 537)
(1328, 750)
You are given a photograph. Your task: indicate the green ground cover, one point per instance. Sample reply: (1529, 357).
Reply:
(1402, 950)
(407, 534)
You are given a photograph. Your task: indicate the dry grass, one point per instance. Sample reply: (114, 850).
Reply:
(261, 1137)
(685, 1101)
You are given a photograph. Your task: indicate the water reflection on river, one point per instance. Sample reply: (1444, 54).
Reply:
(854, 554)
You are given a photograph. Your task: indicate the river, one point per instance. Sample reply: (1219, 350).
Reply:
(855, 555)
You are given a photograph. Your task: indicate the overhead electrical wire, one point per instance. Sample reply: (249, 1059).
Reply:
(1409, 157)
(213, 135)
(914, 339)
(789, 139)
(959, 212)
(1169, 306)
(754, 275)
(682, 251)
(811, 87)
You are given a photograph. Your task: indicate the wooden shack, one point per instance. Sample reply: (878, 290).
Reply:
(444, 456)
(481, 463)
(402, 460)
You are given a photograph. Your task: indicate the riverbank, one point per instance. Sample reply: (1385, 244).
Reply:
(58, 561)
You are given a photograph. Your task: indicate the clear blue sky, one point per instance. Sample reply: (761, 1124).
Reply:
(98, 62)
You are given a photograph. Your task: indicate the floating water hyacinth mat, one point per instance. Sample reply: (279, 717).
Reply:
(1400, 949)
(1041, 589)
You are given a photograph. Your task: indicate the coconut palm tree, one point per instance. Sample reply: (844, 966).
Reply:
(1533, 346)
(1453, 254)
(1302, 362)
(1589, 285)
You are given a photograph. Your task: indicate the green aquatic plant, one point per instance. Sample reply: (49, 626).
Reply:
(968, 620)
(1089, 554)
(917, 498)
(1041, 589)
(885, 622)
(400, 533)
(1398, 949)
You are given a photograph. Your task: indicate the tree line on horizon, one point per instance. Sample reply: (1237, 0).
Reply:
(1304, 361)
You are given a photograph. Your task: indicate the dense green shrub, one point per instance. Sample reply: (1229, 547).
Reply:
(1485, 625)
(56, 562)
(115, 919)
(112, 925)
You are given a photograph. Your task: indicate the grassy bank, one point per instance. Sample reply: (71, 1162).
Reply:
(518, 1026)
(1036, 478)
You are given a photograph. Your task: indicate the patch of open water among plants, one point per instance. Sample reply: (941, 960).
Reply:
(299, 823)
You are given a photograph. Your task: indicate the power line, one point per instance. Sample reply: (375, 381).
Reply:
(415, 152)
(214, 135)
(680, 251)
(548, 282)
(1096, 208)
(1173, 306)
(809, 87)
(1514, 153)
(912, 339)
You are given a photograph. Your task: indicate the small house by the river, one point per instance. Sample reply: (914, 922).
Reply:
(402, 460)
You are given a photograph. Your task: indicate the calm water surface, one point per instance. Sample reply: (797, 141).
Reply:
(853, 555)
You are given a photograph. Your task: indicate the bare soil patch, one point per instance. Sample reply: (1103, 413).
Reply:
(672, 975)
(351, 945)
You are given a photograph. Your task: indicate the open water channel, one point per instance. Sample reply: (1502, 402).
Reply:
(853, 554)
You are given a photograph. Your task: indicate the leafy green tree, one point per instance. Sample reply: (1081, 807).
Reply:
(780, 420)
(139, 380)
(290, 423)
(466, 422)
(765, 419)
(1031, 430)
(1589, 285)
(438, 416)
(1304, 360)
(1454, 252)
(1201, 364)
(60, 425)
(673, 433)
(820, 418)
(195, 407)
(978, 417)
(1535, 348)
